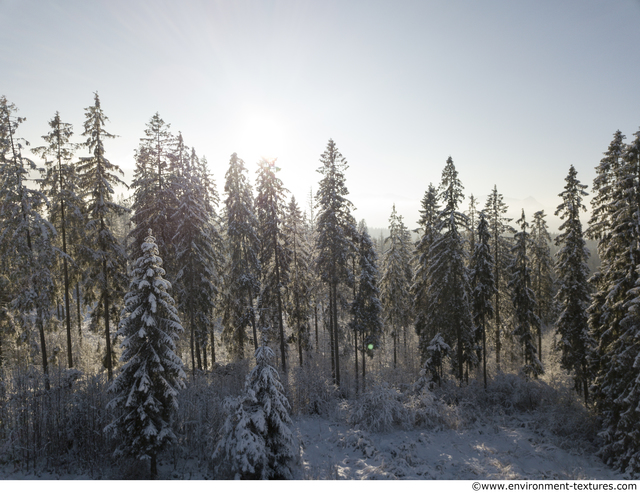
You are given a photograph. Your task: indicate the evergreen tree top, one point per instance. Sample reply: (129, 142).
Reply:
(451, 187)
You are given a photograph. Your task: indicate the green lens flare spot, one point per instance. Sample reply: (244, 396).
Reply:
(370, 347)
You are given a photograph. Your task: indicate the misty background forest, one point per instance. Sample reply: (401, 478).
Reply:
(202, 323)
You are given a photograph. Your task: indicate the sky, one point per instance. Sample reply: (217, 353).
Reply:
(514, 91)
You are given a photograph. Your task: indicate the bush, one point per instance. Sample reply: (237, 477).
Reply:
(380, 409)
(312, 391)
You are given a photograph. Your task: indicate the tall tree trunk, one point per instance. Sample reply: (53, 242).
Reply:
(331, 341)
(315, 315)
(198, 357)
(192, 345)
(78, 308)
(335, 334)
(280, 323)
(395, 344)
(539, 314)
(484, 351)
(65, 267)
(355, 347)
(43, 347)
(253, 323)
(364, 376)
(67, 309)
(153, 471)
(213, 347)
(205, 362)
(105, 295)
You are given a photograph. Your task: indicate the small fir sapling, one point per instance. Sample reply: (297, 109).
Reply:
(256, 439)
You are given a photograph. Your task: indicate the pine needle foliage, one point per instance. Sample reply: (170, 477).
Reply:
(573, 297)
(256, 441)
(242, 283)
(524, 303)
(102, 253)
(148, 383)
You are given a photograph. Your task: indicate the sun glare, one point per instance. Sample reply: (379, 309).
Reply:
(263, 135)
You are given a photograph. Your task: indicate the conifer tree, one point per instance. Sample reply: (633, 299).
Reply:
(483, 285)
(613, 315)
(573, 297)
(495, 210)
(436, 352)
(26, 237)
(60, 183)
(198, 250)
(336, 228)
(242, 283)
(366, 309)
(275, 253)
(524, 303)
(420, 287)
(154, 195)
(449, 298)
(472, 214)
(622, 447)
(256, 441)
(102, 253)
(147, 386)
(395, 284)
(298, 296)
(542, 282)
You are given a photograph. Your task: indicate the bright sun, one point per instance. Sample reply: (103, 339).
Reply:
(263, 135)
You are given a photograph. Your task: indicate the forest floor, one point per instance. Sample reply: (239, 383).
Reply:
(491, 448)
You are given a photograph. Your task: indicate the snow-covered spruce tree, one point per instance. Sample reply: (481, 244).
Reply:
(483, 285)
(613, 315)
(626, 444)
(542, 282)
(366, 309)
(573, 297)
(472, 214)
(420, 287)
(154, 197)
(335, 228)
(298, 296)
(395, 285)
(198, 249)
(256, 441)
(449, 298)
(524, 302)
(242, 272)
(26, 237)
(60, 184)
(436, 352)
(275, 253)
(495, 210)
(102, 253)
(147, 385)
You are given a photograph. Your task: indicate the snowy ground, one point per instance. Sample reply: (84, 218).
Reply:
(508, 450)
(485, 450)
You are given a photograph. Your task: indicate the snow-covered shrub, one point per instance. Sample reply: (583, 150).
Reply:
(427, 411)
(380, 409)
(256, 441)
(556, 413)
(358, 440)
(312, 391)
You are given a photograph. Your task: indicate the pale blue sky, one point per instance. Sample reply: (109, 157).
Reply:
(514, 91)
